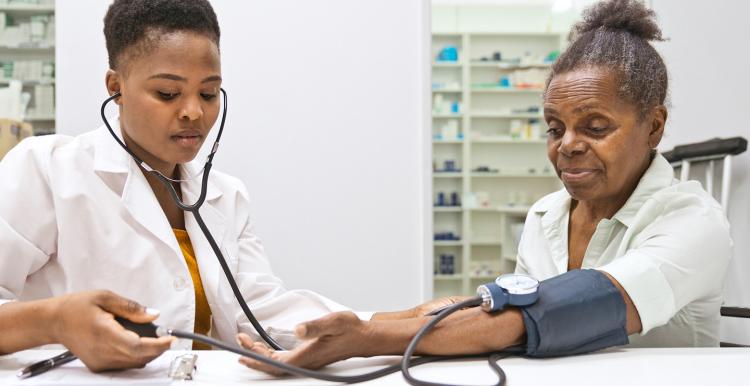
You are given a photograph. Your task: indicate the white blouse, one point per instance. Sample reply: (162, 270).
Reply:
(668, 246)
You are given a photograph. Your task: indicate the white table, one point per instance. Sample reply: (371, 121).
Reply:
(682, 367)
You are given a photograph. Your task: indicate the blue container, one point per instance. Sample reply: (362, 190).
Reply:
(448, 54)
(505, 81)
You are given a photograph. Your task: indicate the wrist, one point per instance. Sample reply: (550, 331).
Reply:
(49, 320)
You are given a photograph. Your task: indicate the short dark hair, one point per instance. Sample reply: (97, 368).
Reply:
(615, 35)
(129, 23)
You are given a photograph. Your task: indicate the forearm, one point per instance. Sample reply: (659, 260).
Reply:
(24, 325)
(394, 315)
(469, 331)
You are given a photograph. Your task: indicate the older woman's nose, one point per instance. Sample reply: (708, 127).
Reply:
(571, 144)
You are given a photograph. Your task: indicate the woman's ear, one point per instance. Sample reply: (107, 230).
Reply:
(113, 81)
(656, 128)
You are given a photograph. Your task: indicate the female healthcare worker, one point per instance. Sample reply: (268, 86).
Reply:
(87, 234)
(628, 254)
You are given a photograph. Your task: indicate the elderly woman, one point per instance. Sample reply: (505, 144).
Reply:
(659, 245)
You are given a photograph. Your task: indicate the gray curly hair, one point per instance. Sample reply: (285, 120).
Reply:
(615, 35)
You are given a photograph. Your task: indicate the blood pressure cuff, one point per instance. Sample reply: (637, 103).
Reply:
(577, 312)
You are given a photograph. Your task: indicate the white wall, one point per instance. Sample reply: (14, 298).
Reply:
(707, 59)
(326, 126)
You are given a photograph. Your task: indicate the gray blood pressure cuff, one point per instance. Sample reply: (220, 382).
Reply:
(577, 312)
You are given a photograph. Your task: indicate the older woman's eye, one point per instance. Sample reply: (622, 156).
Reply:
(598, 130)
(554, 132)
(167, 96)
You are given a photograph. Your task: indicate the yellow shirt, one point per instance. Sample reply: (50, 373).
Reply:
(202, 309)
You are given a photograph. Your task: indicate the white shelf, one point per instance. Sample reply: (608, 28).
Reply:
(36, 117)
(510, 141)
(30, 82)
(447, 209)
(509, 66)
(448, 277)
(509, 175)
(518, 34)
(446, 64)
(448, 243)
(28, 48)
(447, 142)
(484, 277)
(27, 8)
(504, 90)
(447, 174)
(459, 115)
(507, 209)
(488, 114)
(514, 209)
(486, 242)
(447, 90)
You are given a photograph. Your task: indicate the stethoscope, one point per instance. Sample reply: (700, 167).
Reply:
(515, 290)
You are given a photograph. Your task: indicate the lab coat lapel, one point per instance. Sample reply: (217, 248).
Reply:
(141, 202)
(114, 166)
(208, 265)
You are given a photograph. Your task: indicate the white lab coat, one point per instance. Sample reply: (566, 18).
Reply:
(77, 214)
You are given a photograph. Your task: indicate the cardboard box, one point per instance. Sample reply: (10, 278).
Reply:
(11, 133)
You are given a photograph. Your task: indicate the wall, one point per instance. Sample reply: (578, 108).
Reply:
(707, 61)
(326, 126)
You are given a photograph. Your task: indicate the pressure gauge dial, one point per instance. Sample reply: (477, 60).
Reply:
(512, 289)
(517, 284)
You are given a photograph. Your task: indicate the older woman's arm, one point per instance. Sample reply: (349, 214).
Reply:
(471, 331)
(632, 319)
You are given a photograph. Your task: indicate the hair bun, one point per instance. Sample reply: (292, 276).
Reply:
(620, 15)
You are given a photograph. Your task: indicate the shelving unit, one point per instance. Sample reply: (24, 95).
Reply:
(27, 53)
(494, 203)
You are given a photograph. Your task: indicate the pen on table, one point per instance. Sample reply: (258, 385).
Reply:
(45, 365)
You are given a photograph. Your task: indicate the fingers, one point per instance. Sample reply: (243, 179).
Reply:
(331, 324)
(153, 347)
(261, 349)
(129, 309)
(118, 356)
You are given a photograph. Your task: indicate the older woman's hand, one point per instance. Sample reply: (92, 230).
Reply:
(332, 338)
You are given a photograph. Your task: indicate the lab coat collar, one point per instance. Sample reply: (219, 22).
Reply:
(109, 157)
(138, 198)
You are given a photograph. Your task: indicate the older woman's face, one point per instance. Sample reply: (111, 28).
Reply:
(595, 140)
